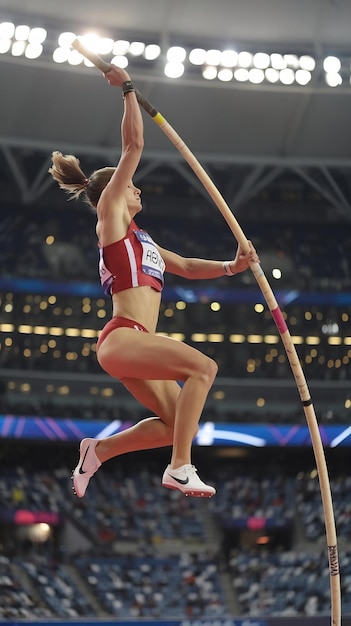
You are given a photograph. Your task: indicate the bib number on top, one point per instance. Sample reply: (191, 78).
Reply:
(152, 262)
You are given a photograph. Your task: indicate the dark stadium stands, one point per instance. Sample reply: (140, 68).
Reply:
(118, 551)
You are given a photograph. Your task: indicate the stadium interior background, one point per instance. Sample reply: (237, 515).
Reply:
(280, 153)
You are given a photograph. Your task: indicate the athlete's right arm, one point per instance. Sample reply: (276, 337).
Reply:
(132, 137)
(112, 209)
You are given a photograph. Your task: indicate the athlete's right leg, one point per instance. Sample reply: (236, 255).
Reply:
(149, 365)
(135, 355)
(163, 397)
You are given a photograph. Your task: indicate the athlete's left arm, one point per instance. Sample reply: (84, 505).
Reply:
(194, 268)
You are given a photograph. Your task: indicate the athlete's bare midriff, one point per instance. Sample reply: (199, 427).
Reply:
(141, 304)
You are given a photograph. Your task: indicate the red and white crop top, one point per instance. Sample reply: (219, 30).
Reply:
(133, 261)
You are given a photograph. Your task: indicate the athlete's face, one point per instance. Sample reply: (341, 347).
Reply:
(133, 197)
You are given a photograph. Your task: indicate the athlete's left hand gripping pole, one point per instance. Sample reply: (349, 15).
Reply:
(280, 323)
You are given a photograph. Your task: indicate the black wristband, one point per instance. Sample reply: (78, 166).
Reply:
(127, 86)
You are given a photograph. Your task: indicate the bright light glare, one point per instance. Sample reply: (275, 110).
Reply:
(241, 74)
(303, 77)
(229, 58)
(121, 47)
(176, 54)
(197, 56)
(105, 45)
(255, 68)
(277, 61)
(292, 61)
(225, 74)
(60, 55)
(213, 57)
(272, 75)
(18, 48)
(152, 52)
(88, 63)
(307, 63)
(256, 76)
(37, 35)
(333, 79)
(7, 30)
(120, 60)
(75, 57)
(65, 39)
(174, 70)
(33, 50)
(137, 48)
(331, 64)
(261, 60)
(209, 72)
(245, 59)
(91, 41)
(22, 32)
(5, 45)
(287, 76)
(39, 533)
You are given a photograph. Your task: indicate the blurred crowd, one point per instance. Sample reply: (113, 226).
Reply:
(129, 539)
(54, 329)
(311, 256)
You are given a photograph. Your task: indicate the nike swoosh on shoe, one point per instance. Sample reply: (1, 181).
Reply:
(180, 480)
(81, 471)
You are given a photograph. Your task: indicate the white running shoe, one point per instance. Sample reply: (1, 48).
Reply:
(87, 465)
(186, 480)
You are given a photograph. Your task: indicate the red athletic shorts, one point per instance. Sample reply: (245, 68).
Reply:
(118, 322)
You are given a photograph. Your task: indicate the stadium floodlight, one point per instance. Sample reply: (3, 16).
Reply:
(225, 64)
(5, 45)
(209, 72)
(137, 48)
(333, 79)
(75, 57)
(277, 61)
(37, 35)
(245, 59)
(292, 61)
(256, 76)
(104, 45)
(18, 48)
(261, 60)
(22, 32)
(33, 50)
(197, 56)
(152, 51)
(303, 77)
(331, 64)
(120, 60)
(176, 54)
(60, 55)
(307, 62)
(213, 57)
(21, 40)
(7, 30)
(272, 75)
(241, 74)
(225, 74)
(287, 76)
(229, 58)
(65, 39)
(174, 69)
(121, 46)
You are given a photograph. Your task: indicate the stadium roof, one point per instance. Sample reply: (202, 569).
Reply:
(251, 132)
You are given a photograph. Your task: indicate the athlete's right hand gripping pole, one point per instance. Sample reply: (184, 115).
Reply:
(278, 317)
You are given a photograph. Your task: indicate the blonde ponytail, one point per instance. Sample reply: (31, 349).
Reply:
(68, 174)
